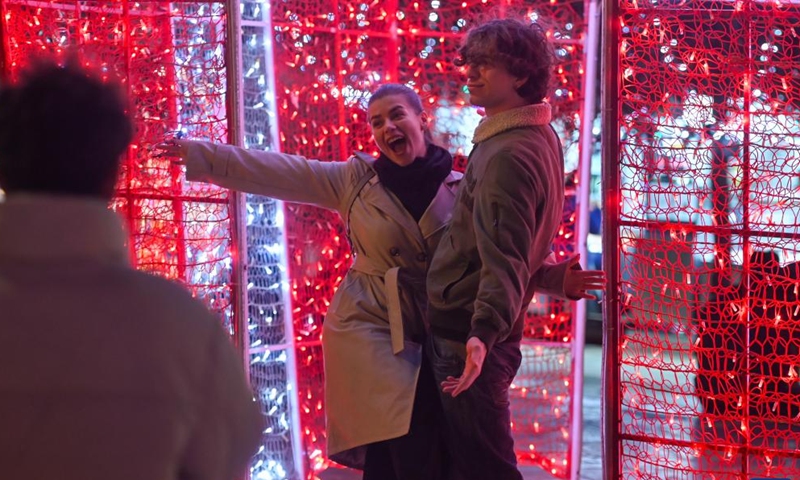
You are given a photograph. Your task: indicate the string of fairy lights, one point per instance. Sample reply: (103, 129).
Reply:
(328, 57)
(708, 234)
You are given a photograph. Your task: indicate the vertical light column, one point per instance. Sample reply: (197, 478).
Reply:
(270, 351)
(591, 18)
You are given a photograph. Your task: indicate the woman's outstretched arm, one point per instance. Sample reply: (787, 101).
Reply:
(286, 177)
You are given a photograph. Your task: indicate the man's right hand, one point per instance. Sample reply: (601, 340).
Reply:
(476, 355)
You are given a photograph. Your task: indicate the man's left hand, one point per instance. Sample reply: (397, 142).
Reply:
(476, 354)
(578, 283)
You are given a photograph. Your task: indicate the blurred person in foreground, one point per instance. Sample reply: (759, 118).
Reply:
(108, 373)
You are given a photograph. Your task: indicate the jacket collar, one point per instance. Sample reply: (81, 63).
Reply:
(529, 115)
(48, 228)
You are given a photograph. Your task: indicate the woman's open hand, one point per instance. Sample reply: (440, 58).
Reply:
(174, 148)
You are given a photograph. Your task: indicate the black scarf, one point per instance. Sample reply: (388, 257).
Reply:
(416, 184)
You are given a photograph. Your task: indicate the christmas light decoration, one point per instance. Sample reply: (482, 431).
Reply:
(169, 57)
(169, 60)
(701, 169)
(329, 56)
(271, 352)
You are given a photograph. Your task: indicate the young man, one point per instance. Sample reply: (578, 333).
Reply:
(508, 209)
(107, 372)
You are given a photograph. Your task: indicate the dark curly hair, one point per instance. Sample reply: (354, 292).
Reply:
(521, 48)
(63, 130)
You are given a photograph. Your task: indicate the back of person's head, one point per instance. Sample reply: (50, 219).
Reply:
(521, 48)
(63, 130)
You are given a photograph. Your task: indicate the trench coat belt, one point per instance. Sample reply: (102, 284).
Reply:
(392, 288)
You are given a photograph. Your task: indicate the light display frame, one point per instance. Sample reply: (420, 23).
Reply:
(699, 379)
(341, 40)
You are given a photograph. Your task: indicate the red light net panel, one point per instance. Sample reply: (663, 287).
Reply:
(169, 58)
(708, 236)
(329, 56)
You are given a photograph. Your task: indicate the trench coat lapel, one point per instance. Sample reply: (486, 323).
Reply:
(440, 211)
(384, 200)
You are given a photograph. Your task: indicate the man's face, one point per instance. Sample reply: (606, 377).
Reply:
(493, 88)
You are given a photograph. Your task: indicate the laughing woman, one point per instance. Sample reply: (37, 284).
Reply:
(382, 408)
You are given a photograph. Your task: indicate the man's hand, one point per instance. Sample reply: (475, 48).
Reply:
(577, 283)
(476, 354)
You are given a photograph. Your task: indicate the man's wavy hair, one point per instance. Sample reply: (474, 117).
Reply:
(521, 48)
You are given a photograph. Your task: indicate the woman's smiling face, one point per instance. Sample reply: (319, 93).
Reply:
(397, 129)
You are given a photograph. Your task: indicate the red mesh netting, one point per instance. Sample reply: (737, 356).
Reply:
(328, 57)
(708, 234)
(170, 60)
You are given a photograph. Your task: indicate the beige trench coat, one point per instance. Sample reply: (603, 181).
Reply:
(371, 366)
(372, 331)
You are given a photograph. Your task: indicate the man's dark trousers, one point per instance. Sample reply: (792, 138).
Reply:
(478, 421)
